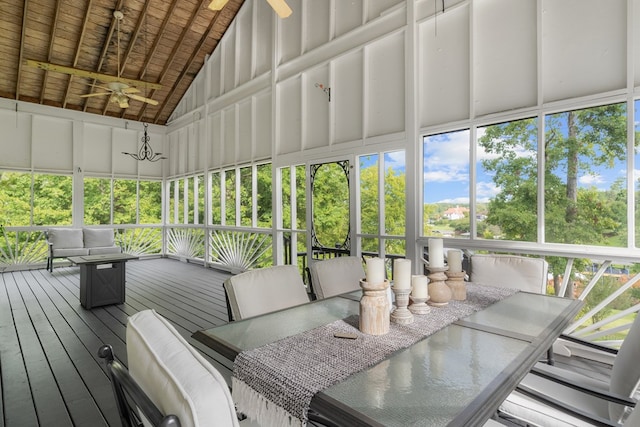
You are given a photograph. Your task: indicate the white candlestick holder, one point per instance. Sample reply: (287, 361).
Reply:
(419, 306)
(439, 292)
(375, 308)
(455, 282)
(401, 314)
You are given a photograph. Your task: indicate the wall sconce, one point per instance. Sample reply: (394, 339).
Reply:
(326, 90)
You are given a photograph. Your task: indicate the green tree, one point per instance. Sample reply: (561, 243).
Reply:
(576, 143)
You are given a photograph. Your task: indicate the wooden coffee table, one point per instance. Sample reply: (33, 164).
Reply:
(102, 278)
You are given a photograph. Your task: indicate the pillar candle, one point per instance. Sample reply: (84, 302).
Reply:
(419, 286)
(436, 254)
(402, 273)
(454, 259)
(375, 270)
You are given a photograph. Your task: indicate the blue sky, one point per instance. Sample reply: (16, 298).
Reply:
(446, 171)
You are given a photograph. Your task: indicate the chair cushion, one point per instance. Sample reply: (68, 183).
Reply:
(625, 374)
(510, 271)
(336, 276)
(105, 250)
(264, 290)
(98, 237)
(174, 375)
(64, 238)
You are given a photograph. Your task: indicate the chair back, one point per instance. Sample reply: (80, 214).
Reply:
(336, 276)
(177, 379)
(510, 271)
(625, 374)
(264, 290)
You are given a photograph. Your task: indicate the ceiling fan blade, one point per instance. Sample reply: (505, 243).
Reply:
(217, 4)
(281, 7)
(143, 99)
(95, 94)
(130, 90)
(89, 74)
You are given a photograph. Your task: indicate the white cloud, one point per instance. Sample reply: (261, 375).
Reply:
(444, 175)
(396, 160)
(457, 200)
(591, 179)
(486, 190)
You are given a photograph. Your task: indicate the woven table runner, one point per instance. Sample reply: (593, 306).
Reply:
(274, 384)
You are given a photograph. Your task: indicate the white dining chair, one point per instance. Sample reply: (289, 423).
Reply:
(336, 276)
(176, 385)
(510, 271)
(569, 396)
(264, 290)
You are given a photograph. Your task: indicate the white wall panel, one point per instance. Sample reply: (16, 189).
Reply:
(289, 117)
(243, 43)
(505, 55)
(264, 37)
(386, 86)
(347, 16)
(346, 96)
(377, 7)
(124, 140)
(173, 139)
(262, 148)
(215, 140)
(215, 66)
(316, 110)
(581, 41)
(193, 150)
(182, 151)
(97, 149)
(317, 25)
(291, 33)
(230, 55)
(443, 74)
(245, 126)
(15, 142)
(230, 139)
(52, 143)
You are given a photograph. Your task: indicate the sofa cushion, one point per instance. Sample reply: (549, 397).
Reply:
(63, 238)
(98, 237)
(174, 375)
(105, 250)
(67, 252)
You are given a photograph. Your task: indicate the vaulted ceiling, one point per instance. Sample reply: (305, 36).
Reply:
(163, 42)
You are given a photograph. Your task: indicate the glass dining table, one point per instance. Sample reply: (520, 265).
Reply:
(457, 376)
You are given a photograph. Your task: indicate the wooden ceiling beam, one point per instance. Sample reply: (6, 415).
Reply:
(176, 49)
(83, 32)
(185, 69)
(52, 35)
(22, 39)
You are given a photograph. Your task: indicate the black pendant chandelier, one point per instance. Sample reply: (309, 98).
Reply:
(146, 152)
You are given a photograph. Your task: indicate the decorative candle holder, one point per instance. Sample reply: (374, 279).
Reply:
(455, 282)
(439, 292)
(419, 306)
(375, 308)
(401, 314)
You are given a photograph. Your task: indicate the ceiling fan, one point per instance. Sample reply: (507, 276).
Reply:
(119, 91)
(280, 6)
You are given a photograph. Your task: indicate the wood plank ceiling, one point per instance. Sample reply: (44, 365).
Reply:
(161, 41)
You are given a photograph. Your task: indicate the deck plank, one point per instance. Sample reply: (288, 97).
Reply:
(51, 373)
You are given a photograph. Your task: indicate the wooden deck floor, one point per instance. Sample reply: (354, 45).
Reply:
(51, 374)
